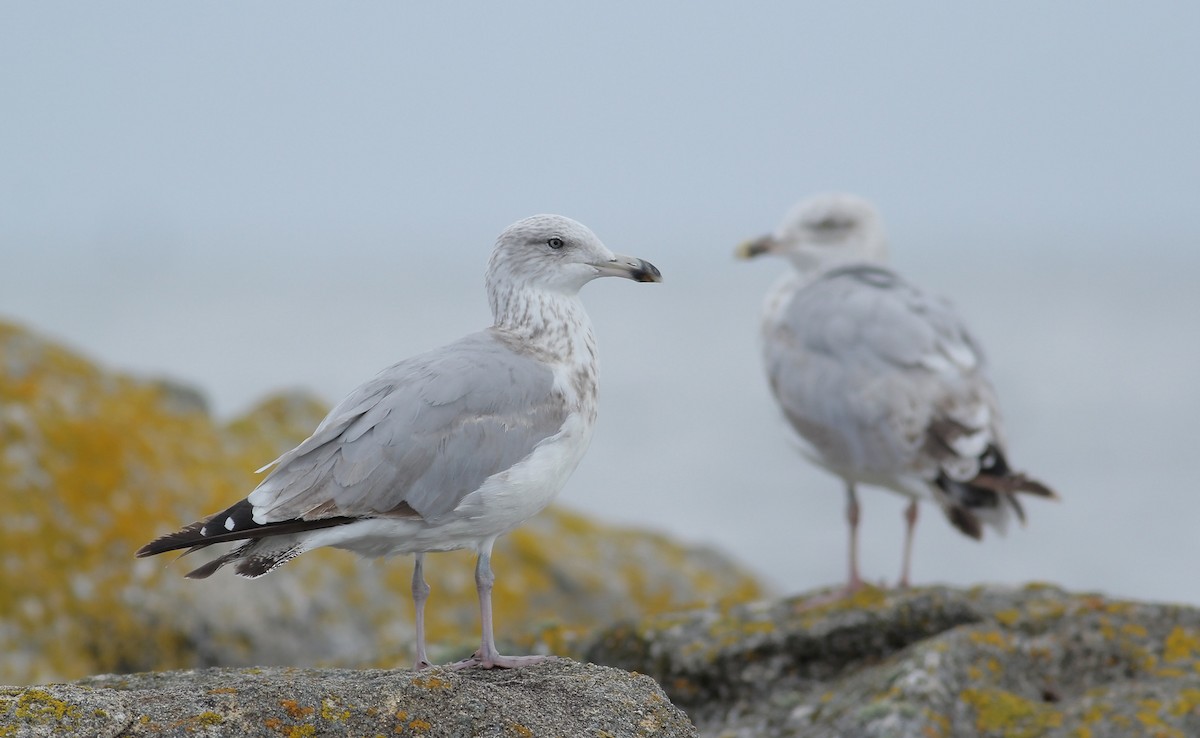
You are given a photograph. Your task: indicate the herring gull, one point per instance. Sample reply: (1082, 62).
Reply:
(881, 382)
(448, 449)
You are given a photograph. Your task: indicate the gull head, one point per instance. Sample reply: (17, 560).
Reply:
(823, 232)
(550, 253)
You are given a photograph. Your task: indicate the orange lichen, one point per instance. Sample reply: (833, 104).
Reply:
(295, 709)
(431, 682)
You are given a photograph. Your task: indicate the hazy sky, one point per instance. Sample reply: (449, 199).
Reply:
(249, 196)
(262, 125)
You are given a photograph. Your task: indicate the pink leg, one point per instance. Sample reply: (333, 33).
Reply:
(855, 582)
(487, 656)
(910, 525)
(420, 593)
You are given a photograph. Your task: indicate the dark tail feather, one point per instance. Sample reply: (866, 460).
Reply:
(206, 571)
(1013, 483)
(965, 521)
(233, 524)
(995, 485)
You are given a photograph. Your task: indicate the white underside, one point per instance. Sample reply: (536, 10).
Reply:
(504, 501)
(909, 485)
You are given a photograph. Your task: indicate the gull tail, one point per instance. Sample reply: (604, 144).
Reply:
(989, 497)
(266, 546)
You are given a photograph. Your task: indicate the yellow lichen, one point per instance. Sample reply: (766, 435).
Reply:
(993, 638)
(1149, 714)
(290, 731)
(209, 718)
(1011, 715)
(1095, 712)
(1008, 618)
(1136, 630)
(330, 711)
(1188, 701)
(1182, 644)
(40, 706)
(941, 725)
(1119, 608)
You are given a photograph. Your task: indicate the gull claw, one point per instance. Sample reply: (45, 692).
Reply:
(497, 661)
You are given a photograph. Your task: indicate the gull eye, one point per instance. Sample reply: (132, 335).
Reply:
(555, 243)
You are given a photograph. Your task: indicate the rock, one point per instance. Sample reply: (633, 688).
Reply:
(95, 463)
(926, 663)
(556, 698)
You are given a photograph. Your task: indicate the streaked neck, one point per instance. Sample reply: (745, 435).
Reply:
(551, 322)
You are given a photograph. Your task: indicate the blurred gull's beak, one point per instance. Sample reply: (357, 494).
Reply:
(755, 247)
(629, 267)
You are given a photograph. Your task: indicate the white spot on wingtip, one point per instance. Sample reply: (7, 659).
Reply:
(204, 531)
(229, 523)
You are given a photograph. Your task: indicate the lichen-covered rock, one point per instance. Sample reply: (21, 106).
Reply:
(557, 698)
(1035, 662)
(95, 463)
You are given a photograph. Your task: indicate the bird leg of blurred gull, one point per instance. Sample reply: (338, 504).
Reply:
(854, 582)
(910, 526)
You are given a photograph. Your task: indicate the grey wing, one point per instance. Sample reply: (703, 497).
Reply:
(880, 377)
(419, 437)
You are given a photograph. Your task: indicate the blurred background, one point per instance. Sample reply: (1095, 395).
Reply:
(251, 197)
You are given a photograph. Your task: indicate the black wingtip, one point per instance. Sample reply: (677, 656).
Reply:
(235, 523)
(186, 537)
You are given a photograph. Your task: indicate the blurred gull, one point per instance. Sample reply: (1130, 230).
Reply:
(881, 382)
(449, 449)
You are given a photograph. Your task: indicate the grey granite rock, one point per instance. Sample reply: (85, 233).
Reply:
(557, 698)
(926, 663)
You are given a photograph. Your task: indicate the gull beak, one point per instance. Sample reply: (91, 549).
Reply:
(629, 267)
(755, 247)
